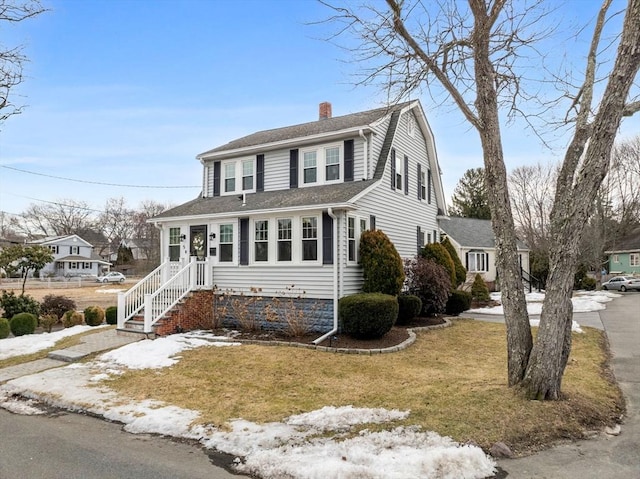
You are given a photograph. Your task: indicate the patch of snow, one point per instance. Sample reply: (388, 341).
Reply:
(32, 343)
(110, 290)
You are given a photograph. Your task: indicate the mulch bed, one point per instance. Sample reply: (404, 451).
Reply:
(397, 335)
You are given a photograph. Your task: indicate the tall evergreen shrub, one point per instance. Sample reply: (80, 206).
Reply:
(382, 268)
(461, 271)
(439, 254)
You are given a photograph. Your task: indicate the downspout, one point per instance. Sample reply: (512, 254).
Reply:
(366, 154)
(335, 279)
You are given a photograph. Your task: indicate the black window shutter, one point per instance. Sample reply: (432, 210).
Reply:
(327, 239)
(70, 249)
(244, 241)
(393, 169)
(260, 173)
(466, 261)
(429, 185)
(293, 168)
(372, 222)
(419, 181)
(406, 175)
(348, 160)
(419, 240)
(216, 178)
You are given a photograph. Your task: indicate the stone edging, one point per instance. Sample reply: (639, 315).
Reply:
(367, 352)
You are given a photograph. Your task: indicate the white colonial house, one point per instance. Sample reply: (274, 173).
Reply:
(286, 207)
(475, 243)
(72, 256)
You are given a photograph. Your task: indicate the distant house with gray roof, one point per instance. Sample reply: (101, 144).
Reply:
(624, 254)
(72, 257)
(285, 207)
(475, 244)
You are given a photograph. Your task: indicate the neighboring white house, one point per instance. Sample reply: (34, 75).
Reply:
(287, 206)
(475, 244)
(72, 256)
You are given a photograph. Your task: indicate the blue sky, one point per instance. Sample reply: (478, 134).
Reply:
(130, 91)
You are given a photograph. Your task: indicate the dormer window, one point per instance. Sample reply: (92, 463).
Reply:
(229, 177)
(332, 163)
(310, 167)
(247, 175)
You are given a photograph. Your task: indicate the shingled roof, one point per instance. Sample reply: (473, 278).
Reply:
(327, 125)
(472, 232)
(324, 195)
(630, 242)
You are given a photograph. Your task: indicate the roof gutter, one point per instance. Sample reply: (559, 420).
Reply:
(335, 279)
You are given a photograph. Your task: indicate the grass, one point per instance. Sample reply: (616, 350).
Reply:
(452, 380)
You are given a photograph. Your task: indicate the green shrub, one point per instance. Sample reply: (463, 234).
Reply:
(4, 328)
(111, 315)
(72, 318)
(589, 283)
(439, 254)
(409, 307)
(56, 305)
(381, 264)
(93, 315)
(461, 271)
(479, 290)
(48, 321)
(23, 323)
(367, 315)
(430, 282)
(12, 304)
(458, 302)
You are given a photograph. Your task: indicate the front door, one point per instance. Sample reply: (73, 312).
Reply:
(198, 242)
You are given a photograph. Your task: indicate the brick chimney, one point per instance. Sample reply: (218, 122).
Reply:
(324, 110)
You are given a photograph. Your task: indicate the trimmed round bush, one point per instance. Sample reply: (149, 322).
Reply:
(409, 307)
(111, 315)
(458, 302)
(4, 328)
(48, 321)
(72, 318)
(367, 315)
(23, 323)
(381, 264)
(93, 315)
(57, 305)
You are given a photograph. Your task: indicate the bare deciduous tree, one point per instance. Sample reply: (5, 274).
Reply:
(477, 55)
(63, 217)
(12, 59)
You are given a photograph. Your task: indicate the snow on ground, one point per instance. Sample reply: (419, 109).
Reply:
(583, 302)
(317, 444)
(32, 343)
(110, 290)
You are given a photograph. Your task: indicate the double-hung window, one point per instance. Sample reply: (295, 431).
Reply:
(332, 163)
(226, 243)
(174, 244)
(398, 160)
(310, 238)
(634, 259)
(310, 167)
(54, 249)
(229, 177)
(247, 175)
(351, 234)
(261, 240)
(284, 239)
(423, 184)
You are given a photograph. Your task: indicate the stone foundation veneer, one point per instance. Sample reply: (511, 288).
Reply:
(197, 312)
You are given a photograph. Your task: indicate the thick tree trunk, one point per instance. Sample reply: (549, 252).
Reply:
(519, 339)
(578, 184)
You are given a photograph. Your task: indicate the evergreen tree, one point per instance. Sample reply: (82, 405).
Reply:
(470, 196)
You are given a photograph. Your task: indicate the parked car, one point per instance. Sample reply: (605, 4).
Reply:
(112, 277)
(622, 283)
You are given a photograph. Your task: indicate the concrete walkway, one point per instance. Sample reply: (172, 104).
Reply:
(605, 457)
(103, 340)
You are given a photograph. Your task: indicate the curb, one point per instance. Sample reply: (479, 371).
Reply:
(367, 352)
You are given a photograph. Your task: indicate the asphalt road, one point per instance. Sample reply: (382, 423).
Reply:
(74, 446)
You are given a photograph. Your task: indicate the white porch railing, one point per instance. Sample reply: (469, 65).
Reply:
(161, 290)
